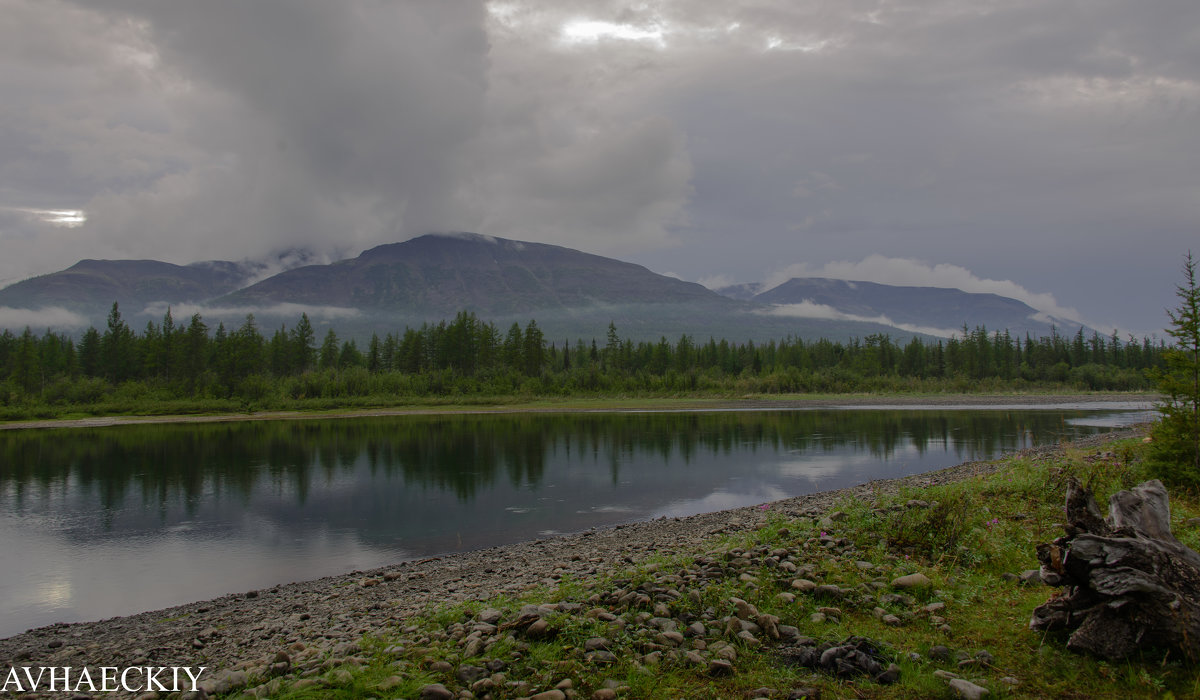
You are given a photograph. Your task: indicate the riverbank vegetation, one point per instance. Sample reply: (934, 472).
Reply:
(1175, 457)
(190, 368)
(928, 580)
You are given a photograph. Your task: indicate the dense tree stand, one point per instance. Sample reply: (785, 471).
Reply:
(1129, 584)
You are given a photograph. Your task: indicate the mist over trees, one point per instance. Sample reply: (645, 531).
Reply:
(171, 361)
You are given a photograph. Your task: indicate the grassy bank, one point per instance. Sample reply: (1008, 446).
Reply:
(732, 621)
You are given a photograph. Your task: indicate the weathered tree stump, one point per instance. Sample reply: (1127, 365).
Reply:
(1129, 584)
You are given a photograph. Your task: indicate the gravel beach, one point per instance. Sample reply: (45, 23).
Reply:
(323, 613)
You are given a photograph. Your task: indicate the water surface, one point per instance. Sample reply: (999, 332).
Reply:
(110, 521)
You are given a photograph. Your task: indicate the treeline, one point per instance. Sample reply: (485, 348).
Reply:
(468, 356)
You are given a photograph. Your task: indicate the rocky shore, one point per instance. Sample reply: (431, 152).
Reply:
(244, 632)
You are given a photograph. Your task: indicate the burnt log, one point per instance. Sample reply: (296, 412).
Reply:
(1128, 583)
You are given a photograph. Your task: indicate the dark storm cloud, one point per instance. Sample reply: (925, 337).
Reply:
(248, 127)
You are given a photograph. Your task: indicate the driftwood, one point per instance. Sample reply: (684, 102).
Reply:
(1129, 584)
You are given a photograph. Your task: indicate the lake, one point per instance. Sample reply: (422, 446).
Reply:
(100, 522)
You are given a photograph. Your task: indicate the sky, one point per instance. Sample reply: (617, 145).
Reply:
(1042, 149)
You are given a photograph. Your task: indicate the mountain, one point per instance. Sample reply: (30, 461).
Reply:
(91, 285)
(924, 308)
(571, 294)
(441, 274)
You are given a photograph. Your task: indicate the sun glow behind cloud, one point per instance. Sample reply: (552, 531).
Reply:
(64, 218)
(588, 30)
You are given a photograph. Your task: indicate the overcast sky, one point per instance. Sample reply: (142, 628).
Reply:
(1041, 149)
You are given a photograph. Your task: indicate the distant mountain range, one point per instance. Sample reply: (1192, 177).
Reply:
(935, 310)
(569, 293)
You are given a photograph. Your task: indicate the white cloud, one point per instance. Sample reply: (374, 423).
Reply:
(809, 309)
(715, 282)
(325, 313)
(907, 272)
(49, 317)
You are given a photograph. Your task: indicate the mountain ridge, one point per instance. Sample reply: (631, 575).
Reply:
(429, 274)
(570, 292)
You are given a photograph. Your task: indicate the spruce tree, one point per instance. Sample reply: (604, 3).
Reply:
(1175, 451)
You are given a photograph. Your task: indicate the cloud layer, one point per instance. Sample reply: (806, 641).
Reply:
(1048, 145)
(915, 273)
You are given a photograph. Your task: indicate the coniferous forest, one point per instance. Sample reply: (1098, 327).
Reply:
(187, 367)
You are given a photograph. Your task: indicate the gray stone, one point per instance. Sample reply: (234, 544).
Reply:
(720, 667)
(539, 629)
(469, 674)
(967, 690)
(911, 581)
(744, 610)
(435, 691)
(829, 590)
(804, 585)
(889, 676)
(601, 656)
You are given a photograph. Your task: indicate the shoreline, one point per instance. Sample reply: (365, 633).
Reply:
(339, 610)
(786, 402)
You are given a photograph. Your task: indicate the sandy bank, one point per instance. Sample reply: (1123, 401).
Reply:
(615, 405)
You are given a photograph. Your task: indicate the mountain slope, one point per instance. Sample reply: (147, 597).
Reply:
(923, 307)
(91, 285)
(442, 274)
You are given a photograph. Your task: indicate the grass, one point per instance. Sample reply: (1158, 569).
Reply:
(965, 539)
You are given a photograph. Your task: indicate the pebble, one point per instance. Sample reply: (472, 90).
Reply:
(967, 690)
(720, 667)
(916, 580)
(435, 691)
(1030, 577)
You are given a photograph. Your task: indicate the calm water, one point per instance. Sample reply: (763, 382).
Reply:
(110, 521)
